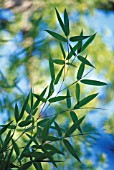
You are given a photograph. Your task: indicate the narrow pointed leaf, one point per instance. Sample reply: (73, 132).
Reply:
(77, 92)
(88, 42)
(52, 148)
(80, 71)
(60, 21)
(58, 129)
(51, 89)
(40, 98)
(62, 49)
(85, 61)
(57, 36)
(58, 76)
(38, 101)
(5, 128)
(15, 147)
(70, 148)
(75, 119)
(46, 129)
(85, 101)
(71, 52)
(24, 123)
(24, 107)
(56, 99)
(78, 38)
(52, 70)
(80, 43)
(75, 126)
(58, 61)
(93, 82)
(66, 22)
(16, 113)
(68, 99)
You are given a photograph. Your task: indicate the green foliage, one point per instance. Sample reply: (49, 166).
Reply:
(34, 138)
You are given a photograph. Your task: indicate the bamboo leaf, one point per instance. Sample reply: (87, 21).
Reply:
(58, 129)
(80, 71)
(52, 148)
(77, 92)
(58, 76)
(62, 49)
(68, 99)
(52, 70)
(75, 119)
(24, 107)
(46, 129)
(75, 126)
(24, 123)
(60, 21)
(51, 89)
(66, 22)
(72, 51)
(59, 61)
(57, 36)
(88, 42)
(85, 101)
(93, 82)
(5, 128)
(78, 38)
(16, 113)
(56, 99)
(15, 147)
(85, 61)
(70, 148)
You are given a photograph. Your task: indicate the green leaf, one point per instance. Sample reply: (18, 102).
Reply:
(56, 99)
(5, 128)
(66, 22)
(58, 129)
(77, 92)
(85, 61)
(37, 165)
(68, 99)
(80, 71)
(52, 138)
(52, 70)
(15, 147)
(88, 42)
(42, 122)
(71, 149)
(58, 76)
(71, 65)
(75, 119)
(72, 51)
(93, 82)
(8, 160)
(60, 21)
(78, 38)
(51, 89)
(59, 61)
(40, 98)
(62, 49)
(75, 126)
(80, 43)
(16, 113)
(85, 101)
(24, 123)
(25, 166)
(52, 148)
(46, 129)
(24, 107)
(38, 101)
(57, 36)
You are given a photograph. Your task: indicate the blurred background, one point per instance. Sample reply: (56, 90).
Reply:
(24, 51)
